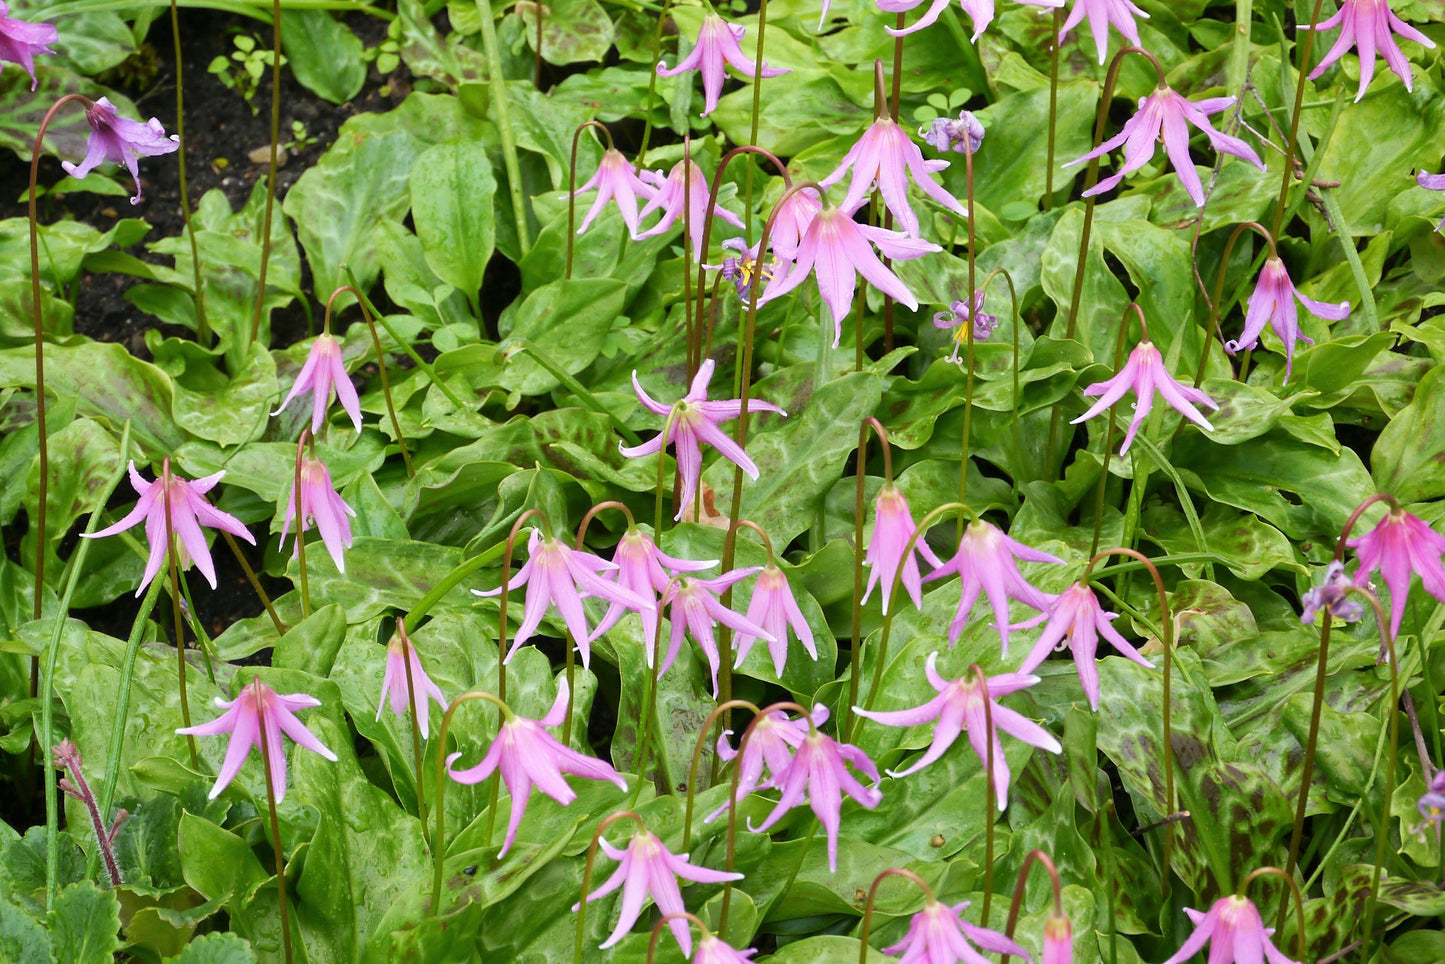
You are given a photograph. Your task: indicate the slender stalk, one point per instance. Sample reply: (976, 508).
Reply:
(753, 127)
(707, 725)
(855, 654)
(66, 756)
(1043, 860)
(266, 750)
(1212, 328)
(203, 330)
(416, 738)
(537, 50)
(1291, 143)
(571, 669)
(255, 582)
(990, 804)
(171, 558)
(506, 591)
(380, 367)
(438, 838)
(652, 82)
(867, 926)
(572, 182)
(1299, 903)
(587, 875)
(504, 120)
(1053, 122)
(270, 185)
(300, 527)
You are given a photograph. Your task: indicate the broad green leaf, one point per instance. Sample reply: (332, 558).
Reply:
(573, 31)
(216, 949)
(324, 55)
(22, 938)
(568, 321)
(1409, 456)
(85, 924)
(451, 189)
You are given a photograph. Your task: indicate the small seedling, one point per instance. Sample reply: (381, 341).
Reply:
(941, 106)
(243, 69)
(387, 54)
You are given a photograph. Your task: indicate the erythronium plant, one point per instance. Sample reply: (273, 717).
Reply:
(615, 180)
(986, 563)
(683, 193)
(323, 374)
(120, 140)
(716, 49)
(885, 157)
(1273, 303)
(1370, 25)
(979, 11)
(1144, 374)
(21, 41)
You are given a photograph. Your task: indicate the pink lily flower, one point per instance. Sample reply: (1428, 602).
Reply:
(189, 511)
(818, 772)
(1237, 933)
(644, 570)
(322, 507)
(795, 213)
(979, 11)
(839, 248)
(1273, 302)
(892, 528)
(614, 180)
(987, 562)
(1076, 617)
(774, 609)
(1371, 24)
(258, 708)
(676, 199)
(324, 371)
(555, 574)
(1102, 14)
(647, 868)
(697, 609)
(696, 421)
(121, 141)
(1058, 940)
(717, 48)
(959, 706)
(400, 652)
(886, 156)
(1145, 373)
(1432, 182)
(1401, 544)
(771, 744)
(20, 41)
(710, 950)
(528, 756)
(1164, 116)
(938, 934)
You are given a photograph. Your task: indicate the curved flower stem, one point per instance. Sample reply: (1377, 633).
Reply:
(866, 927)
(502, 604)
(171, 557)
(1014, 321)
(1053, 125)
(255, 582)
(969, 334)
(570, 663)
(1043, 860)
(707, 725)
(592, 514)
(587, 875)
(1212, 328)
(572, 177)
(1299, 903)
(300, 529)
(1113, 426)
(753, 127)
(537, 51)
(651, 84)
(1291, 143)
(380, 366)
(504, 120)
(203, 330)
(423, 606)
(438, 838)
(266, 750)
(668, 919)
(270, 182)
(855, 652)
(416, 737)
(989, 801)
(405, 345)
(657, 513)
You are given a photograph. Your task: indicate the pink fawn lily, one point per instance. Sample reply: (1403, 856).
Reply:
(1237, 935)
(697, 609)
(959, 706)
(647, 868)
(322, 507)
(1273, 302)
(644, 570)
(774, 609)
(886, 156)
(20, 41)
(1371, 24)
(399, 653)
(323, 372)
(260, 708)
(189, 511)
(938, 934)
(1400, 545)
(121, 141)
(1076, 617)
(979, 11)
(710, 950)
(1144, 374)
(676, 200)
(1058, 940)
(1102, 14)
(795, 212)
(987, 563)
(773, 739)
(614, 180)
(892, 528)
(696, 421)
(717, 48)
(528, 756)
(1164, 116)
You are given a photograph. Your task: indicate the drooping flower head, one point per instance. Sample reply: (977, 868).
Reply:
(1102, 14)
(20, 41)
(322, 507)
(979, 11)
(1058, 940)
(695, 420)
(1235, 932)
(697, 609)
(775, 610)
(677, 199)
(744, 268)
(987, 563)
(963, 135)
(938, 934)
(717, 48)
(121, 141)
(959, 316)
(886, 157)
(1076, 619)
(1371, 24)
(1432, 182)
(1331, 596)
(528, 756)
(1165, 116)
(323, 373)
(189, 510)
(644, 570)
(771, 743)
(1144, 374)
(615, 180)
(711, 950)
(1400, 545)
(892, 528)
(794, 213)
(260, 709)
(1273, 302)
(400, 653)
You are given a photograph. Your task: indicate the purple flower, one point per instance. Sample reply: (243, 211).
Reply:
(696, 421)
(885, 156)
(774, 609)
(260, 707)
(646, 868)
(1237, 934)
(1432, 803)
(528, 756)
(20, 41)
(1401, 544)
(1101, 14)
(795, 212)
(1331, 596)
(1164, 116)
(892, 528)
(322, 507)
(614, 180)
(742, 268)
(697, 609)
(938, 934)
(673, 197)
(1143, 374)
(1077, 618)
(771, 743)
(121, 141)
(640, 570)
(1432, 182)
(963, 136)
(324, 371)
(400, 652)
(1273, 301)
(189, 511)
(959, 706)
(1371, 24)
(717, 47)
(1058, 940)
(986, 562)
(959, 314)
(979, 11)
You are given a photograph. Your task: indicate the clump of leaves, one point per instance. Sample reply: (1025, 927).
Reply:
(243, 69)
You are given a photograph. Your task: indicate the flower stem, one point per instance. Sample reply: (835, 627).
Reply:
(1212, 329)
(753, 128)
(572, 180)
(707, 725)
(1113, 428)
(203, 330)
(255, 582)
(405, 345)
(438, 838)
(1043, 860)
(270, 194)
(67, 757)
(266, 750)
(1053, 123)
(587, 875)
(416, 737)
(1291, 143)
(504, 121)
(1299, 904)
(867, 926)
(502, 605)
(571, 645)
(1307, 768)
(989, 800)
(651, 93)
(855, 654)
(423, 606)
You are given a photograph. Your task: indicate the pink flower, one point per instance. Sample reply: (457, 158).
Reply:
(324, 371)
(640, 570)
(1401, 544)
(886, 156)
(795, 212)
(1143, 374)
(260, 707)
(1273, 302)
(189, 511)
(979, 11)
(696, 421)
(837, 246)
(1432, 182)
(614, 180)
(772, 741)
(646, 868)
(986, 562)
(1077, 617)
(400, 652)
(1164, 116)
(121, 141)
(697, 609)
(717, 47)
(20, 41)
(1101, 14)
(677, 199)
(818, 772)
(556, 574)
(322, 507)
(939, 935)
(774, 609)
(1237, 933)
(528, 756)
(892, 528)
(1371, 24)
(1058, 940)
(710, 950)
(959, 706)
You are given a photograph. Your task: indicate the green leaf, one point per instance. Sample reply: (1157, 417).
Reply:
(216, 949)
(22, 938)
(1009, 166)
(452, 188)
(217, 864)
(566, 319)
(85, 924)
(324, 55)
(1409, 456)
(573, 31)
